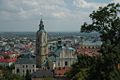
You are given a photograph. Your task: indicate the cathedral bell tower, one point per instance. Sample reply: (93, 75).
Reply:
(41, 46)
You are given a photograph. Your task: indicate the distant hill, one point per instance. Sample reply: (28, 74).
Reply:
(32, 35)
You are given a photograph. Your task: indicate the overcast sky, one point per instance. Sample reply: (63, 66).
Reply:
(58, 15)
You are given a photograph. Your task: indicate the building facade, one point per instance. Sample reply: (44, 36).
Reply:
(62, 57)
(66, 57)
(24, 65)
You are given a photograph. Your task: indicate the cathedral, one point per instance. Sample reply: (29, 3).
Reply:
(41, 46)
(55, 61)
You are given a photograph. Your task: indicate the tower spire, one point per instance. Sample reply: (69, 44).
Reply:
(41, 26)
(41, 46)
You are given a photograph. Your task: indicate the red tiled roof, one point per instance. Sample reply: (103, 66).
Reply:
(87, 51)
(11, 59)
(8, 52)
(8, 60)
(61, 71)
(28, 46)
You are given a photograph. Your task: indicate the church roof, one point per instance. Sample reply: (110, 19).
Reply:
(42, 73)
(58, 50)
(55, 55)
(26, 61)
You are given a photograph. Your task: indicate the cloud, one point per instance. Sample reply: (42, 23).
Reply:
(31, 9)
(25, 9)
(85, 4)
(116, 1)
(81, 3)
(58, 14)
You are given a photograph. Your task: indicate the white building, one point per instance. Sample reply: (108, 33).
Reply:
(66, 57)
(63, 57)
(25, 64)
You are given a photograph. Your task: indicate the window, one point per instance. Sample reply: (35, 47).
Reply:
(66, 63)
(27, 71)
(23, 66)
(26, 66)
(18, 70)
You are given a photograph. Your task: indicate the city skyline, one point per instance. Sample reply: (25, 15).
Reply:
(58, 15)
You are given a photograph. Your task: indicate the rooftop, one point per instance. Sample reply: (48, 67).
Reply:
(8, 52)
(26, 61)
(42, 73)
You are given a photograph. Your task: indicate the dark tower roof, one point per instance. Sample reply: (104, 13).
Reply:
(41, 26)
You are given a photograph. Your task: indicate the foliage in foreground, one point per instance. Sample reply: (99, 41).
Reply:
(106, 21)
(6, 74)
(80, 69)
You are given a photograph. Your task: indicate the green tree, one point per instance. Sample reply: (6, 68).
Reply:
(106, 21)
(7, 74)
(27, 77)
(80, 69)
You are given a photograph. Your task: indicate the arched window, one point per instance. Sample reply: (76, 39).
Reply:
(23, 66)
(18, 70)
(26, 66)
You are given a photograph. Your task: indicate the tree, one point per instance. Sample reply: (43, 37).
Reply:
(27, 77)
(6, 74)
(106, 21)
(80, 69)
